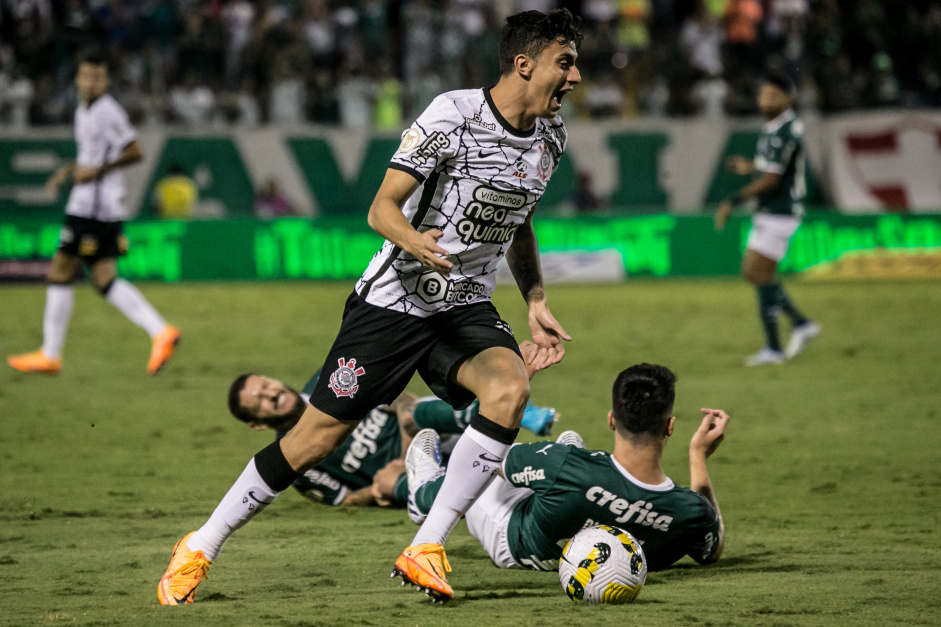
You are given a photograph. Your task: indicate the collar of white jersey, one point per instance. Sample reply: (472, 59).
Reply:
(665, 486)
(509, 128)
(773, 125)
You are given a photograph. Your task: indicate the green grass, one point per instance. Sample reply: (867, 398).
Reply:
(829, 478)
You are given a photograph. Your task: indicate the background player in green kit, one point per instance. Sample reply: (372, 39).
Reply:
(550, 491)
(780, 192)
(367, 469)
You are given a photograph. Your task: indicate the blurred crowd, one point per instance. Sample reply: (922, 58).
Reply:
(369, 63)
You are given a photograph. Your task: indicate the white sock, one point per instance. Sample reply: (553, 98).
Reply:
(135, 307)
(55, 320)
(247, 496)
(473, 465)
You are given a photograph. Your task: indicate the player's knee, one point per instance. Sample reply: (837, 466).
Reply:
(510, 395)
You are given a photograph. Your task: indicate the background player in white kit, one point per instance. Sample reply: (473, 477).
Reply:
(482, 158)
(92, 232)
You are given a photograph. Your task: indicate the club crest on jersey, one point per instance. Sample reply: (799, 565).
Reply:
(344, 380)
(544, 168)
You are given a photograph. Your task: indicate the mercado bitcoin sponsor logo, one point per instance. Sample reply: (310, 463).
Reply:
(434, 288)
(485, 217)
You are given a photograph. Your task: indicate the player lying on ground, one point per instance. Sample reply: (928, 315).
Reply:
(367, 469)
(780, 192)
(92, 233)
(549, 491)
(483, 159)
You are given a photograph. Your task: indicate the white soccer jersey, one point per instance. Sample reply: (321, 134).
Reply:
(102, 130)
(480, 179)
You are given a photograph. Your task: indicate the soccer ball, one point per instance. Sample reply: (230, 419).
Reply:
(602, 564)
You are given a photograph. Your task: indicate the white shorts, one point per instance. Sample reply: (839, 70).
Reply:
(489, 518)
(771, 234)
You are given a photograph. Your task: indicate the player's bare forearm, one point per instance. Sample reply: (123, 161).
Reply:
(700, 482)
(767, 182)
(129, 155)
(523, 259)
(386, 218)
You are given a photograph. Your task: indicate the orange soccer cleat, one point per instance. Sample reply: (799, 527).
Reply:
(163, 348)
(425, 567)
(187, 568)
(36, 362)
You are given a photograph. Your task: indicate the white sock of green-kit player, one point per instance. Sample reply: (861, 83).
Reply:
(475, 462)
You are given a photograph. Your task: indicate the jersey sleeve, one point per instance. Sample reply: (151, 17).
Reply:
(535, 466)
(703, 533)
(431, 140)
(118, 127)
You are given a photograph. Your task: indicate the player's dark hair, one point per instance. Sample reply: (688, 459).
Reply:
(643, 399)
(531, 32)
(235, 401)
(93, 58)
(780, 80)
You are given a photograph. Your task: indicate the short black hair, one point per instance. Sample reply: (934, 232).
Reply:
(643, 399)
(93, 58)
(235, 401)
(782, 81)
(531, 32)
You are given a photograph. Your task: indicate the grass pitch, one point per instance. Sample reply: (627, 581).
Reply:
(829, 479)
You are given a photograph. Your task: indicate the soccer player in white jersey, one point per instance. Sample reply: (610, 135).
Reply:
(92, 232)
(482, 159)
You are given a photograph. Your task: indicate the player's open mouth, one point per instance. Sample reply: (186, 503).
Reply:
(557, 98)
(278, 400)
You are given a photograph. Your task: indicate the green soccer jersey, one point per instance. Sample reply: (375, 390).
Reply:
(781, 151)
(576, 488)
(375, 442)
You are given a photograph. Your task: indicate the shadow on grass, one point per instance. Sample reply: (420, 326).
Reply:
(763, 562)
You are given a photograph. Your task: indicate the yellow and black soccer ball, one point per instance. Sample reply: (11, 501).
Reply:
(602, 564)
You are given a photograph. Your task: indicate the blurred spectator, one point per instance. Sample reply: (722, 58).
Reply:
(701, 40)
(388, 110)
(287, 95)
(604, 98)
(271, 202)
(19, 96)
(584, 198)
(354, 95)
(846, 54)
(192, 103)
(175, 195)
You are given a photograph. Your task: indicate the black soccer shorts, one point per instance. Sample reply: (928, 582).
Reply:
(92, 240)
(377, 351)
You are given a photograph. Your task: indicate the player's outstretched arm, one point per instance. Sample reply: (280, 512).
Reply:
(129, 155)
(523, 259)
(704, 443)
(767, 182)
(386, 219)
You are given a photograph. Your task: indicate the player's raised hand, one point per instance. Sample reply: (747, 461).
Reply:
(710, 433)
(547, 335)
(739, 165)
(424, 247)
